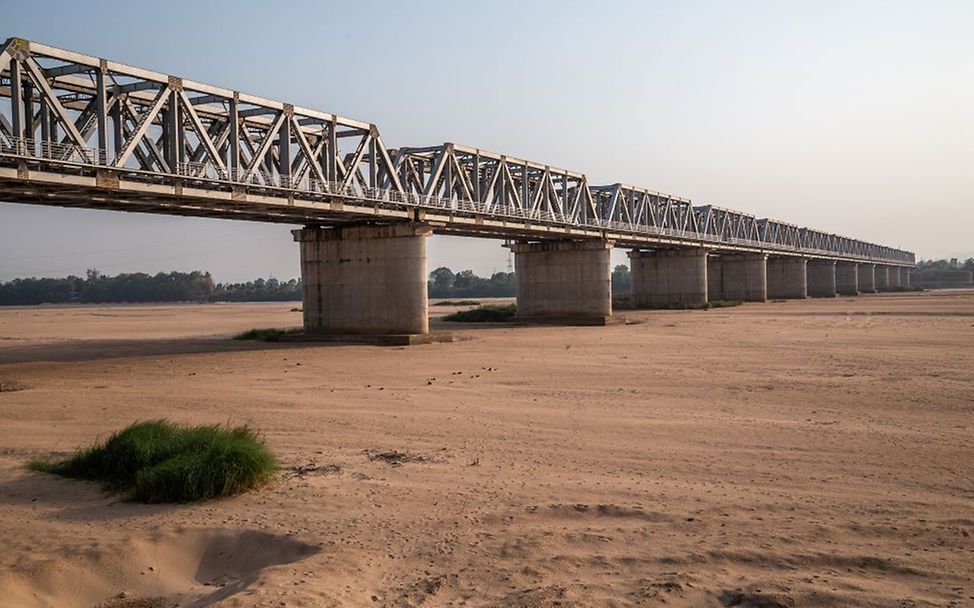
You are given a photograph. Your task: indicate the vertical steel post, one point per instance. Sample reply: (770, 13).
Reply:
(234, 137)
(118, 129)
(16, 99)
(476, 176)
(373, 158)
(101, 111)
(170, 126)
(332, 150)
(284, 148)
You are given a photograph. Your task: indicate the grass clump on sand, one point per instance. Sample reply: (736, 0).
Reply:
(723, 303)
(159, 461)
(704, 306)
(267, 334)
(457, 303)
(489, 313)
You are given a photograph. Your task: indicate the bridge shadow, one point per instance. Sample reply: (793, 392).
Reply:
(70, 351)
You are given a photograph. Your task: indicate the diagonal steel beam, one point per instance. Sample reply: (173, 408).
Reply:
(353, 166)
(142, 126)
(309, 154)
(201, 132)
(265, 145)
(37, 75)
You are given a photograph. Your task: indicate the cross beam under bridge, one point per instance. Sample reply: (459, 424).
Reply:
(80, 131)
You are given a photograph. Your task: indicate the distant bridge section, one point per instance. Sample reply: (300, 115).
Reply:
(79, 131)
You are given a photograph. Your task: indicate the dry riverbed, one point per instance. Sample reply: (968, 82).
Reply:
(813, 453)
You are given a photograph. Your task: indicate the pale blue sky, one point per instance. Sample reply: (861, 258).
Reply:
(855, 117)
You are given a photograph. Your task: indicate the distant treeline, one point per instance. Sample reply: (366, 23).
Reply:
(444, 283)
(96, 288)
(935, 274)
(953, 264)
(198, 286)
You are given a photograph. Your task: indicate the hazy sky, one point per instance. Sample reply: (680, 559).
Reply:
(855, 117)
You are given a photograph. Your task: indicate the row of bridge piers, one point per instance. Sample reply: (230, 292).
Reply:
(372, 279)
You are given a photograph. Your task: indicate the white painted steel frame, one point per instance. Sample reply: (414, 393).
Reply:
(80, 131)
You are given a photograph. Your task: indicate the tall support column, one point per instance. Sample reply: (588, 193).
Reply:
(821, 278)
(847, 278)
(787, 278)
(882, 277)
(563, 280)
(715, 277)
(867, 278)
(365, 279)
(894, 277)
(738, 277)
(669, 277)
(905, 277)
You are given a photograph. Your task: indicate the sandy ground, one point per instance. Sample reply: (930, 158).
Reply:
(816, 453)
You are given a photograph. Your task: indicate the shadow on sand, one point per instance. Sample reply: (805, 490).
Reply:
(91, 350)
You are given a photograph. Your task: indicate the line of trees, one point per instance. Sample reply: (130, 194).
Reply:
(97, 288)
(952, 264)
(444, 283)
(198, 286)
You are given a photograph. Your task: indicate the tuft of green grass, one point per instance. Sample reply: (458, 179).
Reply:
(723, 303)
(704, 306)
(160, 461)
(489, 313)
(622, 301)
(267, 334)
(457, 303)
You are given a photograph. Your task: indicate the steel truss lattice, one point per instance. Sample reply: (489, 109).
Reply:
(80, 131)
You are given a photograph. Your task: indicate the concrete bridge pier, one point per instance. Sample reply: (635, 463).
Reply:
(867, 278)
(894, 278)
(568, 281)
(847, 278)
(787, 278)
(821, 278)
(668, 277)
(882, 277)
(738, 277)
(365, 279)
(904, 277)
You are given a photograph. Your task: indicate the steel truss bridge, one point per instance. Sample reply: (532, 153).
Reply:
(78, 131)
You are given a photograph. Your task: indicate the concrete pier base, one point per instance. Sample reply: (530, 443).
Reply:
(367, 280)
(787, 278)
(669, 277)
(867, 278)
(882, 277)
(894, 277)
(563, 281)
(738, 277)
(821, 278)
(847, 278)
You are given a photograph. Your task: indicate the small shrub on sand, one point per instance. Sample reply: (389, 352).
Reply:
(704, 306)
(267, 334)
(723, 303)
(489, 313)
(159, 461)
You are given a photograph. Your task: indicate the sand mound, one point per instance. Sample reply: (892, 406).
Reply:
(191, 567)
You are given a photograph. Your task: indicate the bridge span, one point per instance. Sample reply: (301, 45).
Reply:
(79, 131)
